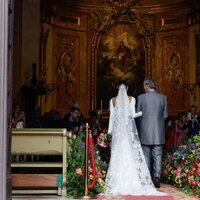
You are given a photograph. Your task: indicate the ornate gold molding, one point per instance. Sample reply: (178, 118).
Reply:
(197, 50)
(67, 47)
(174, 63)
(122, 3)
(107, 16)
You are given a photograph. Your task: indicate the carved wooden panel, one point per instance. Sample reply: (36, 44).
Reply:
(67, 71)
(174, 70)
(197, 45)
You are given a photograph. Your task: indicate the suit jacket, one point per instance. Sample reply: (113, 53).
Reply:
(154, 111)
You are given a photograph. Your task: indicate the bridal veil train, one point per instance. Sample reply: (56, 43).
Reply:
(128, 173)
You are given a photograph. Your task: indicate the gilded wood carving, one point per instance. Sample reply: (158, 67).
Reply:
(197, 45)
(68, 70)
(173, 63)
(174, 70)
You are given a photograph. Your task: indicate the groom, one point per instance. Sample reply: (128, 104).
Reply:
(152, 128)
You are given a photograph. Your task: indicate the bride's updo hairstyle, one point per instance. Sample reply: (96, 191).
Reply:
(122, 83)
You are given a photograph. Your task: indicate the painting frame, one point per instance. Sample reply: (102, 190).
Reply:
(148, 42)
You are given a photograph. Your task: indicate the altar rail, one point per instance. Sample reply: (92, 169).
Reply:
(39, 142)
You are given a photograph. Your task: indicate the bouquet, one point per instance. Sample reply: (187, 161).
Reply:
(104, 139)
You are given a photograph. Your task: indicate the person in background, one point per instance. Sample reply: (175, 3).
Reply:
(170, 133)
(36, 119)
(181, 128)
(94, 125)
(18, 117)
(193, 121)
(73, 121)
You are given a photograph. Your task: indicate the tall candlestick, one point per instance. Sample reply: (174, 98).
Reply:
(92, 105)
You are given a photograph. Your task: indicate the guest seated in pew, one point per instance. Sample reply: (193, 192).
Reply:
(181, 130)
(73, 120)
(193, 121)
(170, 133)
(52, 119)
(18, 117)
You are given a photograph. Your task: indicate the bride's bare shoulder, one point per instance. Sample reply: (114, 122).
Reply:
(131, 98)
(113, 101)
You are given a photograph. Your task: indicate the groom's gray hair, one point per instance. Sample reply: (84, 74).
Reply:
(150, 82)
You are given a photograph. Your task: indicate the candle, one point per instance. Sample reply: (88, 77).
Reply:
(86, 126)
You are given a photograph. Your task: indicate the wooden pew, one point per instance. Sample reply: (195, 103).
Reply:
(39, 142)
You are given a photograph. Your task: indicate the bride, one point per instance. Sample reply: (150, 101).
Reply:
(128, 173)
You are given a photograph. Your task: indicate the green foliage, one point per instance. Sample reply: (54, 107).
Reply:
(75, 160)
(75, 177)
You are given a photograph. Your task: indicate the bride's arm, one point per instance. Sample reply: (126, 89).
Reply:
(110, 125)
(132, 106)
(133, 113)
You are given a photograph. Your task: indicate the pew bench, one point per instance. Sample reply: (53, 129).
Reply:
(39, 142)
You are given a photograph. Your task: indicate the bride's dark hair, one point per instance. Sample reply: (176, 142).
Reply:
(120, 82)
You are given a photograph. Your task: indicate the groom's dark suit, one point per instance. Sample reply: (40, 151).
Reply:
(152, 129)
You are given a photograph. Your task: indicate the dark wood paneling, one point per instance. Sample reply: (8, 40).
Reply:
(34, 180)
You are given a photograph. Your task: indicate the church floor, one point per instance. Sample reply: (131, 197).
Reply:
(175, 193)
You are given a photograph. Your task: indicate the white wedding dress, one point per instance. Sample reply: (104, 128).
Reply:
(128, 173)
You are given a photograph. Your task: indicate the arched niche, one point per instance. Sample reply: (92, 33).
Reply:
(121, 48)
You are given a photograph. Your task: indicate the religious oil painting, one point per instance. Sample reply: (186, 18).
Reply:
(121, 56)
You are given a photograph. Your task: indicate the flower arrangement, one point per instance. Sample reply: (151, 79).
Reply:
(101, 168)
(75, 162)
(182, 167)
(104, 139)
(75, 170)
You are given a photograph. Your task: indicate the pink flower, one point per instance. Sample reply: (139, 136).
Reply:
(178, 172)
(99, 174)
(79, 171)
(194, 182)
(198, 184)
(196, 173)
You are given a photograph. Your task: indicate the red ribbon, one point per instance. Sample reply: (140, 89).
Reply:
(94, 173)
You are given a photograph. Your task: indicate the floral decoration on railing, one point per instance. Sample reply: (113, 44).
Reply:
(75, 170)
(182, 167)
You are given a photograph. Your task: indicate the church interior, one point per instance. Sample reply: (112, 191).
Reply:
(69, 55)
(69, 51)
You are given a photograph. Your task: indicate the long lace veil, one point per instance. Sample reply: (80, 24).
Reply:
(122, 104)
